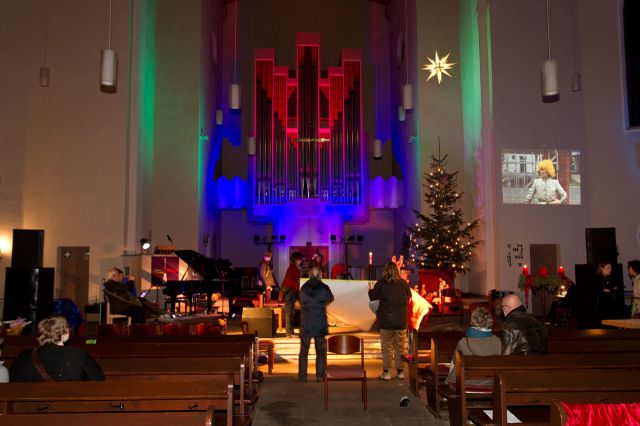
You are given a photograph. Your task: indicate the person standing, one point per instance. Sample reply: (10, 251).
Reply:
(290, 289)
(521, 333)
(314, 298)
(392, 314)
(51, 361)
(610, 295)
(266, 280)
(634, 272)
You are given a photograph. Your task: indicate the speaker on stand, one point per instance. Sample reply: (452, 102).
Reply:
(601, 245)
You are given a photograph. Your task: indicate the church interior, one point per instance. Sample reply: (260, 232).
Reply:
(180, 142)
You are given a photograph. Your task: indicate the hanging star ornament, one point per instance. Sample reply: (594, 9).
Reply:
(438, 67)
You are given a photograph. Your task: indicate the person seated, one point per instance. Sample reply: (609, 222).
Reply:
(4, 373)
(51, 361)
(478, 340)
(521, 333)
(117, 288)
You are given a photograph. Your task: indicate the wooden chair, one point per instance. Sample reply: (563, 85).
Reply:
(111, 330)
(345, 344)
(144, 330)
(451, 303)
(176, 329)
(266, 349)
(109, 317)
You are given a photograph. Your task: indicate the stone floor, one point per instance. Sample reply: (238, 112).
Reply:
(285, 401)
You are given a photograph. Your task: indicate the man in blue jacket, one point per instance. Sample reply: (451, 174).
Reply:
(314, 298)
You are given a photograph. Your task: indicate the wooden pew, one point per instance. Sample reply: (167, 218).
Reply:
(109, 397)
(435, 372)
(171, 418)
(178, 370)
(559, 416)
(187, 351)
(419, 361)
(469, 367)
(540, 388)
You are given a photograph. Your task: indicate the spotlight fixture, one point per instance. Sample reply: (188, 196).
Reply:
(145, 244)
(256, 238)
(360, 238)
(332, 237)
(283, 237)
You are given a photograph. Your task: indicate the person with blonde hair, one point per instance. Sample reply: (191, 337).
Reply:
(392, 315)
(478, 340)
(51, 361)
(546, 189)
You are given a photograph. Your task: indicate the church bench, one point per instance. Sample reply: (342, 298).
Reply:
(187, 351)
(470, 367)
(113, 396)
(542, 388)
(418, 360)
(435, 372)
(180, 370)
(172, 418)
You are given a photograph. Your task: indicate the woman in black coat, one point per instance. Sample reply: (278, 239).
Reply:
(392, 315)
(51, 361)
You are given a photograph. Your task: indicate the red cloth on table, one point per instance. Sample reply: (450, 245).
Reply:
(602, 414)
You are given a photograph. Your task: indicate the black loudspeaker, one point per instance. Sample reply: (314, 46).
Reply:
(601, 245)
(28, 293)
(261, 320)
(28, 248)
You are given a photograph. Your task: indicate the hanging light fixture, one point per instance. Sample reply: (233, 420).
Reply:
(251, 144)
(219, 117)
(109, 61)
(44, 70)
(407, 98)
(550, 85)
(234, 90)
(377, 149)
(401, 114)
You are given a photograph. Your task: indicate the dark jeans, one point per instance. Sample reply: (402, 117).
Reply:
(321, 356)
(290, 298)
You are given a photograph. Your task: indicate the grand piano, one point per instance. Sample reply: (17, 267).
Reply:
(206, 276)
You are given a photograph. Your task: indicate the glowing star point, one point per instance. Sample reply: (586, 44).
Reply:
(438, 66)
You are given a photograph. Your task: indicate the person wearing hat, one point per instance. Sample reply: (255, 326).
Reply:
(266, 280)
(4, 373)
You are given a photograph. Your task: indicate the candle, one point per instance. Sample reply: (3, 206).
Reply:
(525, 270)
(370, 258)
(561, 270)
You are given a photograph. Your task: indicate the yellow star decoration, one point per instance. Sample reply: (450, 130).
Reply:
(438, 67)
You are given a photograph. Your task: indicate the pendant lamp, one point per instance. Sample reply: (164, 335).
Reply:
(550, 86)
(109, 61)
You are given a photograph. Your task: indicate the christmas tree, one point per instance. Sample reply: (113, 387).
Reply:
(442, 239)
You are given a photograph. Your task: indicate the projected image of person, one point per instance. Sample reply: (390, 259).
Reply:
(546, 189)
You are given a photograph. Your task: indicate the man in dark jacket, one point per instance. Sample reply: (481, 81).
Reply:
(521, 333)
(117, 288)
(314, 298)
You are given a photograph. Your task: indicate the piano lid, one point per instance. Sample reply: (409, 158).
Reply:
(206, 267)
